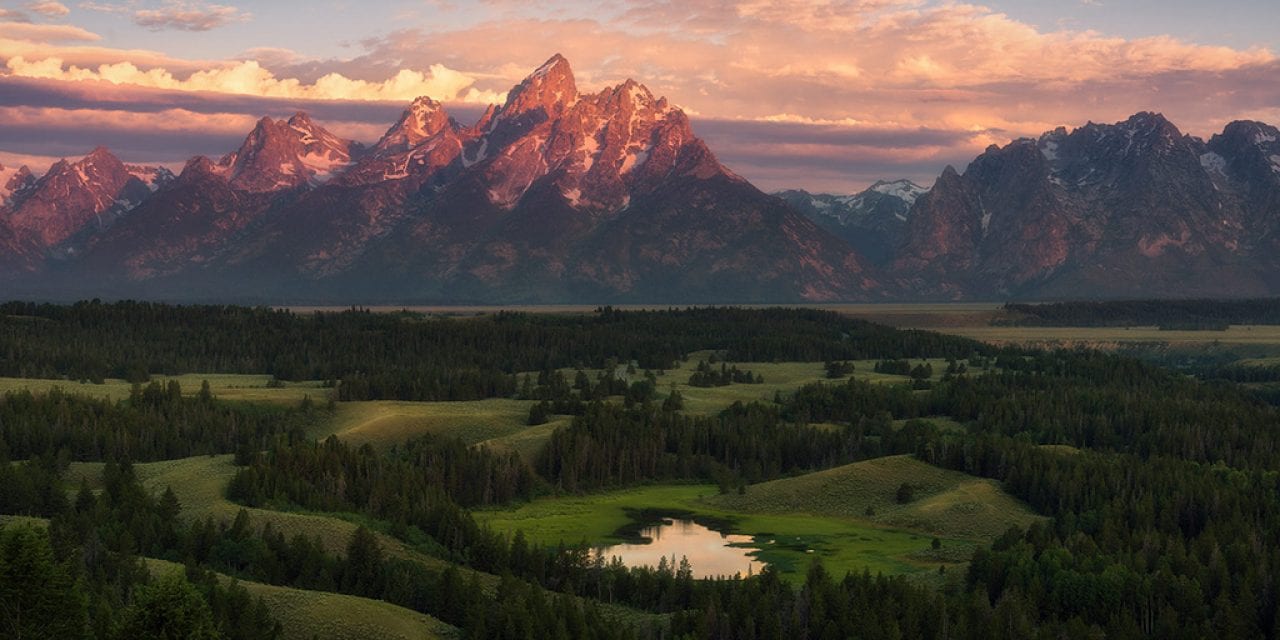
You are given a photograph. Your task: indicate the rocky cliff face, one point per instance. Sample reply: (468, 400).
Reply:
(1130, 209)
(71, 199)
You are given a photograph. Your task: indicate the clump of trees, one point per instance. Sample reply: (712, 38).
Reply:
(708, 376)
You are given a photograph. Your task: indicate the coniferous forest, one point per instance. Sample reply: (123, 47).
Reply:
(1160, 496)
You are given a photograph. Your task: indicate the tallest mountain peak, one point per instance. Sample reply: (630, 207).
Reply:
(550, 88)
(555, 65)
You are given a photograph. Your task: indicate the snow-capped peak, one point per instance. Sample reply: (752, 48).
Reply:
(154, 177)
(424, 119)
(904, 190)
(281, 154)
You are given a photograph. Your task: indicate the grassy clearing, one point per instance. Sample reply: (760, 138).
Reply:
(383, 423)
(779, 377)
(947, 503)
(787, 536)
(1063, 449)
(248, 388)
(331, 616)
(6, 520)
(529, 441)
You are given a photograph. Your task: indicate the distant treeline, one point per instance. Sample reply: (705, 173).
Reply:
(408, 356)
(1204, 315)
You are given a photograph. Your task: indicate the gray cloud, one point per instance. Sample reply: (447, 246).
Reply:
(189, 16)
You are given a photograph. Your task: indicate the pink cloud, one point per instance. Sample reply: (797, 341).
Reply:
(189, 16)
(49, 8)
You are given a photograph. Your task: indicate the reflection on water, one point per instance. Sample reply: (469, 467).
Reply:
(708, 551)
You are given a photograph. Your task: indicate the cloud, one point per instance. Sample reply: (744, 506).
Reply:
(187, 16)
(13, 15)
(49, 8)
(104, 7)
(44, 33)
(250, 78)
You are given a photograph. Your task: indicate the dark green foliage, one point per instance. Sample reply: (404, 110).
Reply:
(39, 598)
(905, 493)
(412, 357)
(155, 423)
(1185, 314)
(838, 369)
(170, 608)
(708, 376)
(538, 413)
(610, 446)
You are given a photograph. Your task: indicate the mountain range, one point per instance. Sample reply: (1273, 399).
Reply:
(563, 196)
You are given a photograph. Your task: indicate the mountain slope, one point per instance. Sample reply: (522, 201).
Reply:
(872, 222)
(553, 196)
(71, 198)
(1132, 209)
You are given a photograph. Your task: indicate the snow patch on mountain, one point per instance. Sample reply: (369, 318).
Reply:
(904, 190)
(1049, 149)
(1214, 163)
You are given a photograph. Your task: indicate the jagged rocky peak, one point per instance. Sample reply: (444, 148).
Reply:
(550, 89)
(599, 148)
(14, 182)
(281, 154)
(1247, 133)
(73, 194)
(424, 119)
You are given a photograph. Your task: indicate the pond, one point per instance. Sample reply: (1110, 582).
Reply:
(710, 553)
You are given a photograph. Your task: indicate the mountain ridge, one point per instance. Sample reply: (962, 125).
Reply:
(554, 195)
(559, 195)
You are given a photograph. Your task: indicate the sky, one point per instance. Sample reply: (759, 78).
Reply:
(825, 95)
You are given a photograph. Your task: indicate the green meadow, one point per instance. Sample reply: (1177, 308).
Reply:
(818, 515)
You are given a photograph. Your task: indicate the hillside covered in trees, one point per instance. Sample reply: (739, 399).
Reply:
(1160, 492)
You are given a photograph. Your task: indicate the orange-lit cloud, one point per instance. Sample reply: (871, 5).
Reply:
(49, 8)
(250, 78)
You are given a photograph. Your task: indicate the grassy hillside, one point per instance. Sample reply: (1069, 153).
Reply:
(786, 539)
(946, 503)
(318, 614)
(249, 388)
(200, 484)
(387, 422)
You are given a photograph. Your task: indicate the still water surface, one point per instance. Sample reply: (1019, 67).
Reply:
(709, 552)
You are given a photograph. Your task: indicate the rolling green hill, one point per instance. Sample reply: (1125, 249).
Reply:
(946, 503)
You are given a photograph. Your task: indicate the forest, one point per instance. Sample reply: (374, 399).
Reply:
(1160, 492)
(1204, 314)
